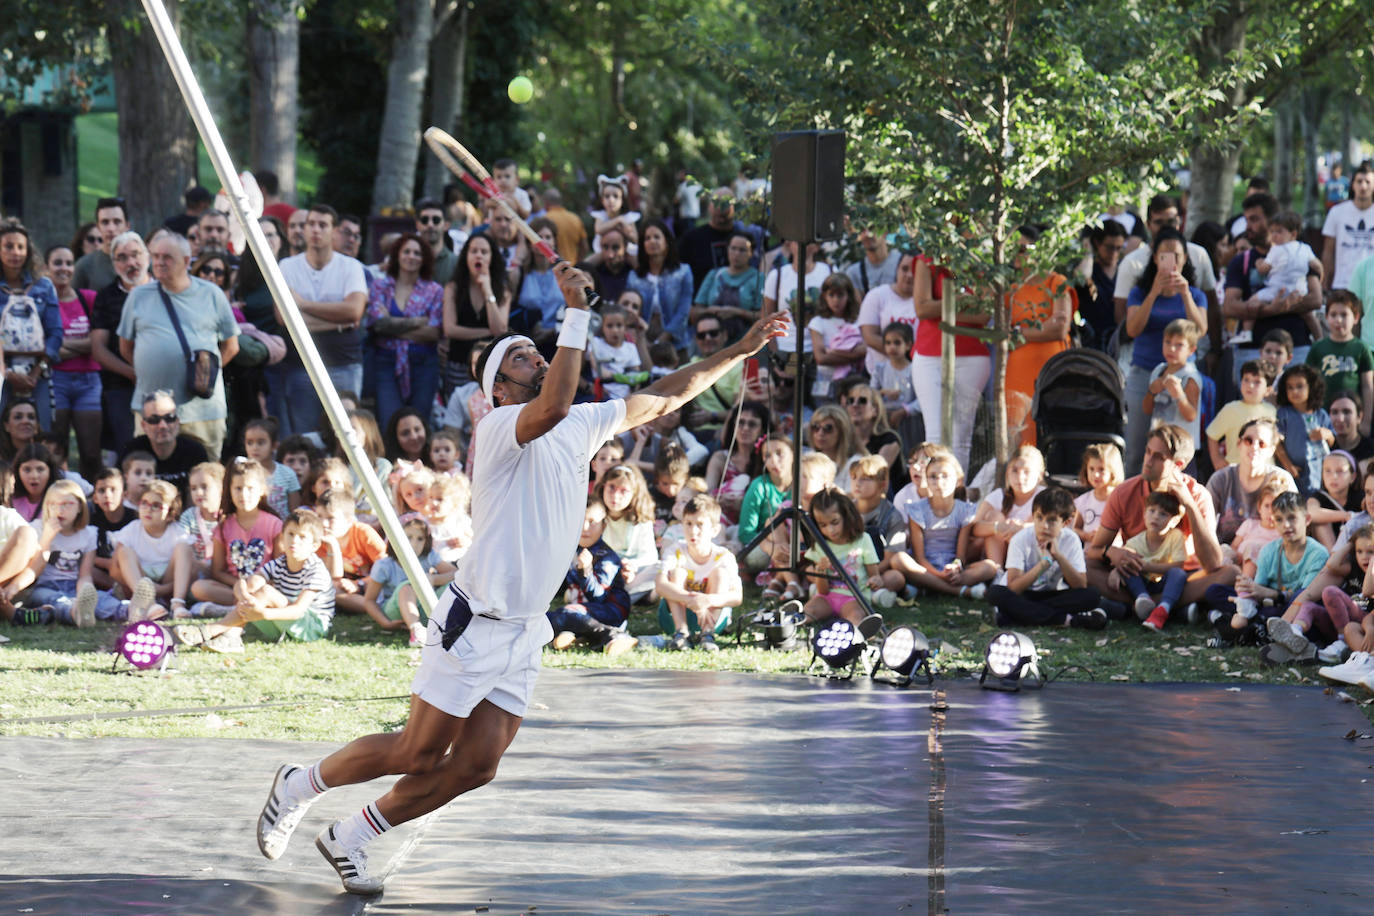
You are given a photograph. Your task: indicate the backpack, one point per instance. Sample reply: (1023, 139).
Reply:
(21, 330)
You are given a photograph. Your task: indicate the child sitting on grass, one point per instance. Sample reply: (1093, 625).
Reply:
(1336, 598)
(1005, 511)
(886, 526)
(1285, 567)
(939, 531)
(140, 469)
(62, 588)
(698, 580)
(349, 549)
(817, 473)
(290, 596)
(260, 444)
(597, 604)
(201, 520)
(245, 539)
(1101, 473)
(152, 556)
(1046, 581)
(1162, 551)
(108, 514)
(838, 519)
(390, 596)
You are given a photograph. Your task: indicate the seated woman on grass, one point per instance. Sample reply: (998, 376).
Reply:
(291, 595)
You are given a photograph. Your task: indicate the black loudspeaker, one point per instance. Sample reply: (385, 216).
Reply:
(808, 185)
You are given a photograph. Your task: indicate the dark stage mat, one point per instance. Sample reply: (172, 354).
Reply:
(676, 793)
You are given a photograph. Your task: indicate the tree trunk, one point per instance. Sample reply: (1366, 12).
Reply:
(1283, 151)
(398, 150)
(448, 64)
(617, 106)
(157, 140)
(1347, 127)
(1214, 169)
(274, 55)
(1311, 106)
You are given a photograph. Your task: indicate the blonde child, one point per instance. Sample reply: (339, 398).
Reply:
(817, 473)
(260, 444)
(1007, 510)
(838, 519)
(349, 549)
(290, 596)
(1305, 426)
(446, 452)
(630, 527)
(698, 579)
(245, 539)
(886, 526)
(671, 471)
(370, 435)
(1101, 472)
(1175, 391)
(410, 482)
(611, 453)
(206, 485)
(939, 530)
(916, 487)
(388, 592)
(140, 469)
(152, 556)
(449, 516)
(62, 567)
(1162, 553)
(1337, 501)
(612, 357)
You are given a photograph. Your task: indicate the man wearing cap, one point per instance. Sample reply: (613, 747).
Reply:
(482, 650)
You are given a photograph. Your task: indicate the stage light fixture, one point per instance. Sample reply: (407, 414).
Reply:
(905, 651)
(842, 647)
(779, 629)
(144, 645)
(1010, 660)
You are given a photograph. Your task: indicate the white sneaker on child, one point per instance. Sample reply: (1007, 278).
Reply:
(1335, 653)
(1144, 606)
(1287, 635)
(83, 610)
(1359, 666)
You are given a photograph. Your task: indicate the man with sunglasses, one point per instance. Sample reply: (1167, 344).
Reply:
(432, 225)
(706, 412)
(96, 270)
(176, 453)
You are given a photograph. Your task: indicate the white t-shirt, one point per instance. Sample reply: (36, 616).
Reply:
(1353, 230)
(881, 307)
(1023, 553)
(151, 551)
(10, 522)
(617, 359)
(677, 556)
(1133, 265)
(1287, 270)
(1090, 510)
(528, 502)
(340, 277)
(65, 555)
(781, 286)
(1017, 513)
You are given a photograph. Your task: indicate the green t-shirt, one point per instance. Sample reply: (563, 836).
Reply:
(1340, 364)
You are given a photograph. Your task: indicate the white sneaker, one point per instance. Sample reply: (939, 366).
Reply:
(143, 601)
(1359, 666)
(976, 592)
(1335, 653)
(1242, 337)
(280, 814)
(884, 598)
(1287, 635)
(1144, 606)
(83, 610)
(351, 864)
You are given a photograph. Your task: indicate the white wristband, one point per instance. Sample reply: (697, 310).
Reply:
(573, 334)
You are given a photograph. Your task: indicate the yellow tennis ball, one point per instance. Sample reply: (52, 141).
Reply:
(520, 90)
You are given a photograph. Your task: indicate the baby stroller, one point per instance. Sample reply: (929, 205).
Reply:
(1079, 400)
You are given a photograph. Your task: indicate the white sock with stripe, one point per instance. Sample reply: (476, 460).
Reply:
(361, 828)
(306, 783)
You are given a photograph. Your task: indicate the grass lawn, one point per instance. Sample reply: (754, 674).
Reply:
(97, 162)
(297, 692)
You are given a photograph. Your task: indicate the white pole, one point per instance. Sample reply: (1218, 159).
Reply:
(286, 303)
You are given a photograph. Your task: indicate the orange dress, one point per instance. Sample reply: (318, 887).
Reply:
(1032, 301)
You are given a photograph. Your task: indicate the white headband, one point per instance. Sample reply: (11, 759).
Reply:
(494, 357)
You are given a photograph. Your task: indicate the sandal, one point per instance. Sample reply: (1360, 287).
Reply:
(191, 634)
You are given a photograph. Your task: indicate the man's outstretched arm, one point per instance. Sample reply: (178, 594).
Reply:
(556, 395)
(673, 391)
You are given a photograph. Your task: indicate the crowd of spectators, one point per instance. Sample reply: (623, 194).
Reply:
(206, 488)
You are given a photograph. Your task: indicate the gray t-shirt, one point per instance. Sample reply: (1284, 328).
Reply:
(159, 361)
(93, 271)
(1234, 504)
(867, 275)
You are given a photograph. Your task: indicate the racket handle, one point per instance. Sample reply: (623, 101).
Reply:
(543, 247)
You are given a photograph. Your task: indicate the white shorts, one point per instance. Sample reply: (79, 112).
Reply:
(496, 660)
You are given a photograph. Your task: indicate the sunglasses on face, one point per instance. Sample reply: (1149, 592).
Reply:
(708, 333)
(860, 401)
(212, 271)
(430, 221)
(93, 239)
(158, 419)
(827, 428)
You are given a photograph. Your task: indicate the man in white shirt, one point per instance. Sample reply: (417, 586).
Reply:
(1348, 233)
(485, 638)
(331, 291)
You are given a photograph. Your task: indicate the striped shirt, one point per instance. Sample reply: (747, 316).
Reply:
(313, 577)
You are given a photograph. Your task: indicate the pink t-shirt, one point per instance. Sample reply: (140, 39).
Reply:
(76, 325)
(246, 551)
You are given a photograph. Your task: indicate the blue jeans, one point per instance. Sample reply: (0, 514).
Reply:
(76, 390)
(301, 408)
(61, 595)
(1174, 581)
(424, 383)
